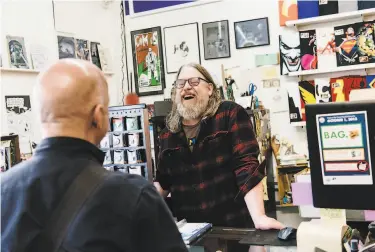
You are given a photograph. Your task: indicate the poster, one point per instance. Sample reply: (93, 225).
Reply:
(370, 80)
(66, 47)
(353, 82)
(288, 11)
(19, 120)
(337, 89)
(181, 46)
(17, 52)
(346, 45)
(326, 47)
(309, 59)
(148, 61)
(290, 52)
(365, 41)
(344, 148)
(82, 49)
(322, 90)
(307, 93)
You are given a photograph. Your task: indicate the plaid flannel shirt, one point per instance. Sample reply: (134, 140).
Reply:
(205, 183)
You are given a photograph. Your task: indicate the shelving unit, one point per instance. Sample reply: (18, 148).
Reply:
(31, 71)
(298, 124)
(121, 156)
(333, 70)
(330, 18)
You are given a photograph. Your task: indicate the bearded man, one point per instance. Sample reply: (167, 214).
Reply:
(209, 157)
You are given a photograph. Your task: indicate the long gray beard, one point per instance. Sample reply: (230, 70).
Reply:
(193, 112)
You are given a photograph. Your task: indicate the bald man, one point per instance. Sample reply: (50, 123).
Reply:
(119, 212)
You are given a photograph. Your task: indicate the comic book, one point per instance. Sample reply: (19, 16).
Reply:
(353, 82)
(307, 93)
(365, 42)
(346, 43)
(337, 89)
(322, 90)
(308, 42)
(290, 52)
(370, 80)
(288, 10)
(326, 46)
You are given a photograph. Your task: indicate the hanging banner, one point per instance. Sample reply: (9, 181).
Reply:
(344, 148)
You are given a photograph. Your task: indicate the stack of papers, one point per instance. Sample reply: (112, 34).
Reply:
(192, 231)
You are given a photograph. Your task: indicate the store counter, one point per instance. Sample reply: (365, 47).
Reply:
(238, 240)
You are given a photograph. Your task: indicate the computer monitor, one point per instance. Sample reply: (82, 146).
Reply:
(341, 140)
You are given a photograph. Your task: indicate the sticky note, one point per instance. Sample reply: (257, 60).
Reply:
(338, 215)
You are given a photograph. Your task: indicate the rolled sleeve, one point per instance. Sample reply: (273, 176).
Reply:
(245, 151)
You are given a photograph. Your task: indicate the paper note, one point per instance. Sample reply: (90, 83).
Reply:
(302, 194)
(338, 215)
(266, 59)
(269, 72)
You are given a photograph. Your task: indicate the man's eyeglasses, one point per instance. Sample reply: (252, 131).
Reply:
(180, 83)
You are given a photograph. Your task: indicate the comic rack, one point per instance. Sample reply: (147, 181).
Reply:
(127, 144)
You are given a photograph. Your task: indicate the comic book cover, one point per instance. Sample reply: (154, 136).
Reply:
(365, 42)
(370, 80)
(293, 103)
(290, 52)
(309, 58)
(328, 7)
(353, 82)
(17, 52)
(307, 93)
(346, 45)
(95, 59)
(337, 89)
(288, 10)
(322, 90)
(82, 49)
(326, 46)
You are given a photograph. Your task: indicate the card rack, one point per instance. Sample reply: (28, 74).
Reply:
(127, 144)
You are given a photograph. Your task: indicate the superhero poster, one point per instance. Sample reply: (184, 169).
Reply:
(307, 92)
(337, 89)
(322, 90)
(365, 42)
(347, 52)
(290, 52)
(309, 59)
(148, 61)
(326, 47)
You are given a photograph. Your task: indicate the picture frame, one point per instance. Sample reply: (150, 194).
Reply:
(216, 41)
(252, 33)
(181, 46)
(148, 62)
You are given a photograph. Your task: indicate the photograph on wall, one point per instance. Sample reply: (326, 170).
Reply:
(19, 120)
(17, 52)
(216, 40)
(346, 45)
(288, 11)
(66, 47)
(326, 47)
(322, 90)
(95, 54)
(82, 49)
(148, 61)
(290, 52)
(309, 59)
(365, 42)
(251, 33)
(307, 93)
(181, 44)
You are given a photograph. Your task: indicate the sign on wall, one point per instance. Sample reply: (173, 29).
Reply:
(344, 148)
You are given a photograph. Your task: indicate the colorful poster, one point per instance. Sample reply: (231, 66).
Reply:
(148, 61)
(19, 120)
(346, 45)
(288, 10)
(307, 93)
(337, 89)
(353, 82)
(309, 58)
(370, 80)
(322, 90)
(365, 42)
(326, 46)
(290, 52)
(344, 148)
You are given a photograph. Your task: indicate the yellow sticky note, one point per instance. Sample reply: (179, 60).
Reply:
(338, 215)
(269, 72)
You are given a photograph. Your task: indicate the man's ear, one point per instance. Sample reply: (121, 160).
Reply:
(98, 117)
(210, 88)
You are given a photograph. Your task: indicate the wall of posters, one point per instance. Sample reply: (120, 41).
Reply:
(148, 61)
(19, 120)
(344, 148)
(181, 45)
(17, 52)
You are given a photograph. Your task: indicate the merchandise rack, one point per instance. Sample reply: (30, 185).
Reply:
(139, 111)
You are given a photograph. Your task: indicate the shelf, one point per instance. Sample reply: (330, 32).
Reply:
(330, 18)
(125, 165)
(19, 70)
(333, 70)
(286, 205)
(298, 124)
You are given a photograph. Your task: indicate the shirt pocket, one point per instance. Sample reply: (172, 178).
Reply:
(217, 146)
(172, 160)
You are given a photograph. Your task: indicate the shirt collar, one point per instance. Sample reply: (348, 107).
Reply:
(71, 146)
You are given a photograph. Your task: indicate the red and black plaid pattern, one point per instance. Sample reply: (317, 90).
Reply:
(206, 183)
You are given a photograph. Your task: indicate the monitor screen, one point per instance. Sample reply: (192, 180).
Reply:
(341, 140)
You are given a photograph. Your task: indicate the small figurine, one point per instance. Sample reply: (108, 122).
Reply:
(229, 81)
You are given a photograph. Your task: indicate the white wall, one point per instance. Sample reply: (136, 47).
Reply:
(33, 20)
(232, 10)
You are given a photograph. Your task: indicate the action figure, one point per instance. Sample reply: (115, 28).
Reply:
(151, 61)
(229, 81)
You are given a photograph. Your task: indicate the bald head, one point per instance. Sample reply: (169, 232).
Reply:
(73, 95)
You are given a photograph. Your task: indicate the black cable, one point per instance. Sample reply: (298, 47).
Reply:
(123, 53)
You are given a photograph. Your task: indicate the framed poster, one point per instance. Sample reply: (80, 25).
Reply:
(148, 61)
(181, 46)
(251, 33)
(216, 40)
(17, 52)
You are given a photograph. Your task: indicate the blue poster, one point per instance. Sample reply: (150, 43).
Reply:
(344, 148)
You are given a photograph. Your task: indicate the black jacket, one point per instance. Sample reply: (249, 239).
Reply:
(125, 214)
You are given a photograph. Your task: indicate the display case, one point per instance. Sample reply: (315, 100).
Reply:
(127, 145)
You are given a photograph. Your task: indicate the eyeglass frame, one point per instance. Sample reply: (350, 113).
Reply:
(188, 81)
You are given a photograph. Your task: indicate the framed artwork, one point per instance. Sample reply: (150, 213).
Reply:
(66, 47)
(148, 61)
(216, 40)
(181, 45)
(251, 33)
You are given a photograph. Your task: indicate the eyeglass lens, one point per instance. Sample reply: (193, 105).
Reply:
(180, 83)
